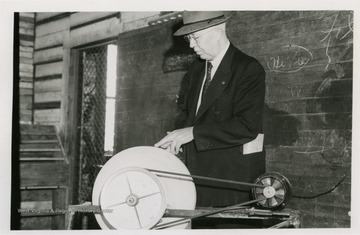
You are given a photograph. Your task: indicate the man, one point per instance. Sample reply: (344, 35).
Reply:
(222, 136)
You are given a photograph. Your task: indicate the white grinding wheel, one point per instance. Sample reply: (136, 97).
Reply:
(177, 192)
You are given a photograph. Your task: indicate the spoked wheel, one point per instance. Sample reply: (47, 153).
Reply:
(135, 199)
(132, 195)
(276, 193)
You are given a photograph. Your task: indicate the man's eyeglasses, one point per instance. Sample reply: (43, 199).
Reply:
(196, 39)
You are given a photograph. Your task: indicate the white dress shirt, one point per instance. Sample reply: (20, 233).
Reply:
(215, 63)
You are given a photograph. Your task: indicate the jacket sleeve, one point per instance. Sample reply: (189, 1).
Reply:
(246, 120)
(182, 111)
(183, 96)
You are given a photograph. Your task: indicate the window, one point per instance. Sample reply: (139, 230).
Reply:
(96, 102)
(110, 100)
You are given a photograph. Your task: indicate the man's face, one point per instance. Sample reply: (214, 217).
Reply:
(203, 43)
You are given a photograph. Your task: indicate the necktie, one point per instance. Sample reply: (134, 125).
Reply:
(207, 79)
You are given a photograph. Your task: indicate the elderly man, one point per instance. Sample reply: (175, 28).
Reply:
(223, 93)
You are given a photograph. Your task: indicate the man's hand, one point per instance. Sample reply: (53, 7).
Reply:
(175, 139)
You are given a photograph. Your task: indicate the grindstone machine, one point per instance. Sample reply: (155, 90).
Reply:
(149, 188)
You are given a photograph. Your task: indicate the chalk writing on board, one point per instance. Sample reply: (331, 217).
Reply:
(291, 59)
(296, 90)
(340, 152)
(338, 31)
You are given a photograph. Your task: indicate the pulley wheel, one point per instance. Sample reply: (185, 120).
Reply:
(131, 196)
(134, 198)
(276, 193)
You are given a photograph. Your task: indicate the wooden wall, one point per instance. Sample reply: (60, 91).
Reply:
(26, 68)
(44, 179)
(48, 43)
(57, 31)
(308, 57)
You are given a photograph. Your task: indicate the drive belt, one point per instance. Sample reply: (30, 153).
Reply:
(209, 178)
(233, 207)
(180, 221)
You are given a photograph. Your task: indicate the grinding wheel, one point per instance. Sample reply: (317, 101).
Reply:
(132, 197)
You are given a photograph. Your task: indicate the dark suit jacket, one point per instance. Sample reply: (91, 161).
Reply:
(229, 116)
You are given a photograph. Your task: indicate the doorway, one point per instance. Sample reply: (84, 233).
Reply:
(96, 114)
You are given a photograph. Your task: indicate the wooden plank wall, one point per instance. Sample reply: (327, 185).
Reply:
(46, 43)
(44, 179)
(50, 29)
(57, 31)
(26, 69)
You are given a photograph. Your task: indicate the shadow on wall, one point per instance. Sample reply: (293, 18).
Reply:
(179, 58)
(279, 127)
(334, 96)
(180, 55)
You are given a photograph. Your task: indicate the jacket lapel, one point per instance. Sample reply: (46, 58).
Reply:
(195, 92)
(219, 82)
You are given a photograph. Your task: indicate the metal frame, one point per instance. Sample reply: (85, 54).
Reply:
(288, 218)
